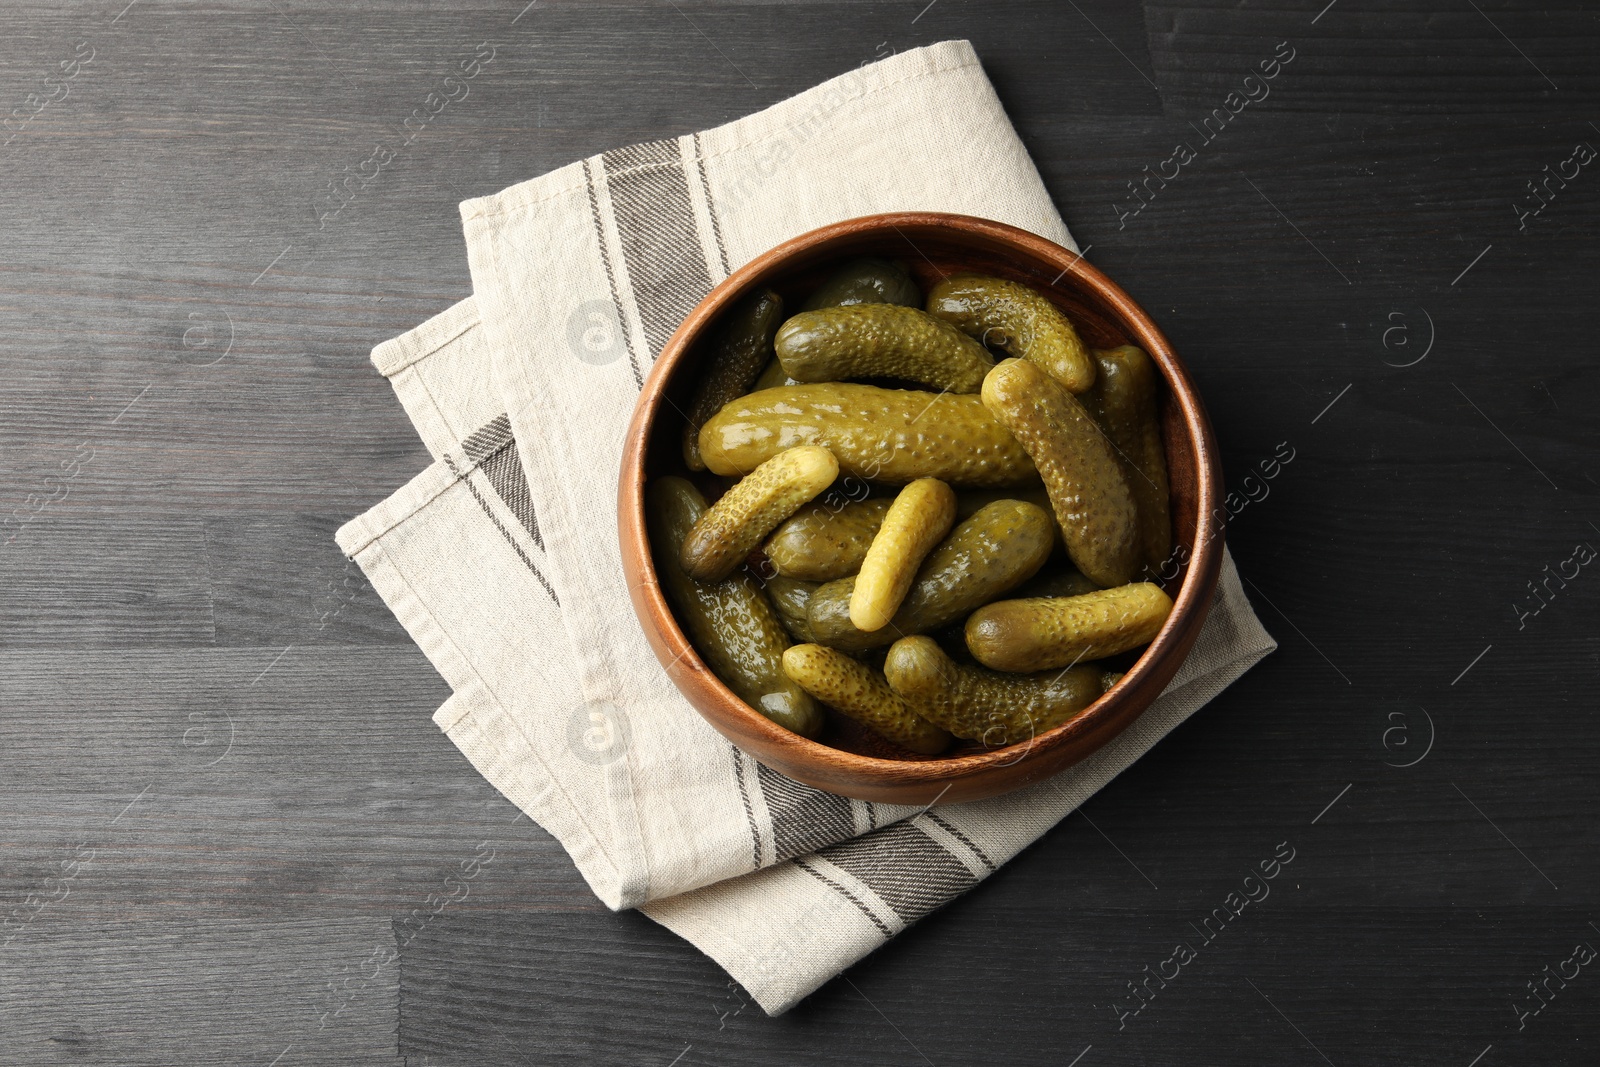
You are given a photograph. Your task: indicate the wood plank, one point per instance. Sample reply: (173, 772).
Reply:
(152, 993)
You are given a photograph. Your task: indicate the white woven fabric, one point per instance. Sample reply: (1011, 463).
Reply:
(502, 558)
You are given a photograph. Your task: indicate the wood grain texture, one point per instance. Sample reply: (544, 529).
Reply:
(200, 991)
(169, 306)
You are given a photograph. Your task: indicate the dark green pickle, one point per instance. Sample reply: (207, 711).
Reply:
(1123, 402)
(867, 280)
(742, 348)
(984, 705)
(790, 596)
(1018, 319)
(1065, 580)
(880, 341)
(772, 377)
(824, 541)
(730, 622)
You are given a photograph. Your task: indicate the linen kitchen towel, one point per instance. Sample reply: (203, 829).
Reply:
(550, 697)
(785, 930)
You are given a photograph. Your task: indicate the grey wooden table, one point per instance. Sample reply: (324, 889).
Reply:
(220, 791)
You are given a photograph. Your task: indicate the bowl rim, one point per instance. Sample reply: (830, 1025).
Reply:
(1165, 653)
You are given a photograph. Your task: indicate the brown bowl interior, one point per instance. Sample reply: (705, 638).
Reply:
(847, 758)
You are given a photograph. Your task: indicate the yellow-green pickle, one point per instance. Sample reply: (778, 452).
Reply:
(880, 341)
(1020, 321)
(1123, 402)
(984, 705)
(861, 693)
(742, 348)
(867, 280)
(1082, 474)
(745, 514)
(985, 557)
(730, 622)
(917, 521)
(893, 436)
(824, 541)
(1044, 632)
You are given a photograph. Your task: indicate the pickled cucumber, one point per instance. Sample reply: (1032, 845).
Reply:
(917, 521)
(867, 280)
(1044, 632)
(1123, 402)
(742, 347)
(880, 341)
(1109, 679)
(1019, 320)
(730, 622)
(770, 378)
(1053, 581)
(984, 705)
(861, 693)
(824, 541)
(790, 596)
(893, 436)
(745, 514)
(1082, 474)
(985, 557)
(968, 501)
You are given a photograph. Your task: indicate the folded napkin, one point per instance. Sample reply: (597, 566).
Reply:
(502, 559)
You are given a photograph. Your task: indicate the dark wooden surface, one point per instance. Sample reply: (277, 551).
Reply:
(211, 720)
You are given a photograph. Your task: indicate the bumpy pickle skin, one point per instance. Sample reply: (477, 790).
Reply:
(743, 346)
(983, 705)
(1109, 679)
(890, 436)
(880, 341)
(823, 541)
(968, 501)
(790, 596)
(867, 280)
(861, 693)
(917, 521)
(1044, 632)
(1088, 490)
(730, 622)
(1123, 402)
(753, 507)
(1018, 320)
(983, 559)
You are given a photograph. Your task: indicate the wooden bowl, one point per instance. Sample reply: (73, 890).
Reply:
(847, 759)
